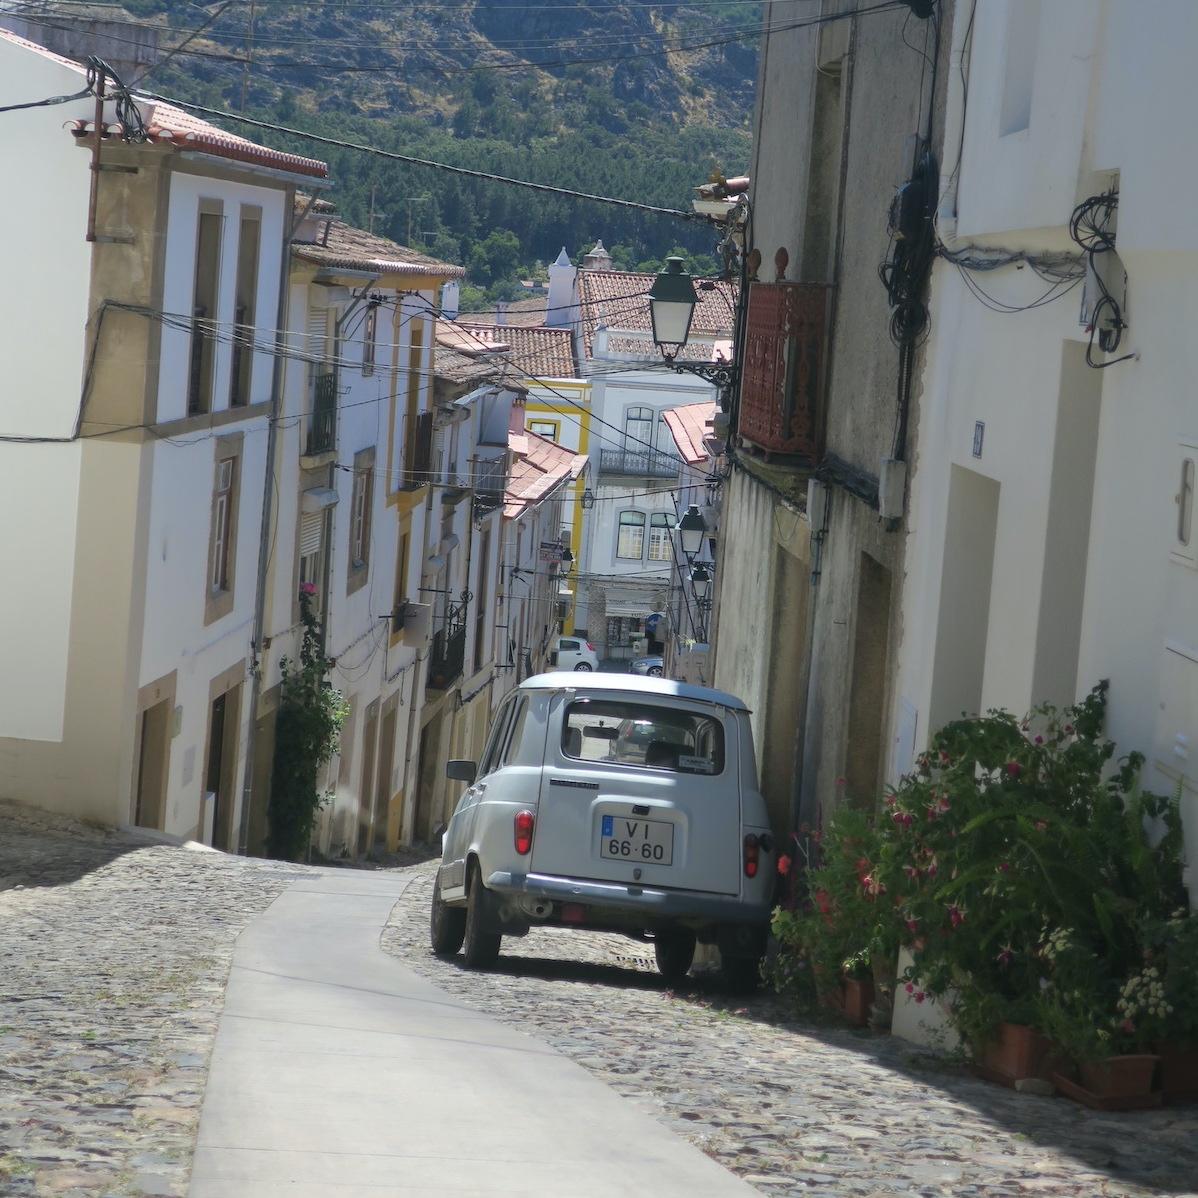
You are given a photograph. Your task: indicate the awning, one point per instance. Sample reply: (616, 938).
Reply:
(316, 499)
(632, 608)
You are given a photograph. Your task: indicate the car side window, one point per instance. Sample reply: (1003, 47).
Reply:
(511, 741)
(571, 646)
(498, 728)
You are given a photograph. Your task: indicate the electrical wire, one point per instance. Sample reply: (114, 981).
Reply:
(1092, 228)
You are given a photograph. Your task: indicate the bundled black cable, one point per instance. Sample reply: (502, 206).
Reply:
(128, 115)
(1091, 227)
(904, 274)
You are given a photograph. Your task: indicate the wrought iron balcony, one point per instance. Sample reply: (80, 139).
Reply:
(639, 463)
(782, 380)
(322, 428)
(446, 657)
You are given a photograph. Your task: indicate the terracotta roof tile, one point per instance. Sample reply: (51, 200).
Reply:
(538, 465)
(348, 248)
(689, 425)
(619, 300)
(169, 126)
(539, 352)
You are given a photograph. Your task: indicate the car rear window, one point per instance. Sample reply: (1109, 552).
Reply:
(644, 735)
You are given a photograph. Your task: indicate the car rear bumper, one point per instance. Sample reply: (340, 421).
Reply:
(654, 903)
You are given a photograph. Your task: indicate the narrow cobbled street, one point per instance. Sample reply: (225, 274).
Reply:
(115, 955)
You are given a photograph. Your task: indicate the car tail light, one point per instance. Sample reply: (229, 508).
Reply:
(524, 822)
(590, 647)
(752, 853)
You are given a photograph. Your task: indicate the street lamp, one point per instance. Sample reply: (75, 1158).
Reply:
(701, 583)
(691, 530)
(672, 301)
(588, 499)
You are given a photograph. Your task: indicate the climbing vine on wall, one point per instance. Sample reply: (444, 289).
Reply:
(311, 714)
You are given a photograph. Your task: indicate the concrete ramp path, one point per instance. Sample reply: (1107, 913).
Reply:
(338, 1072)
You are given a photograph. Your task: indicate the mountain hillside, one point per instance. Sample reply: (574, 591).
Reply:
(633, 100)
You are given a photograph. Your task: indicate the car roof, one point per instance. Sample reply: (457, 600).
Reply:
(632, 684)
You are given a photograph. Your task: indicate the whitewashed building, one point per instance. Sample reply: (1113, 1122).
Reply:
(1052, 535)
(133, 440)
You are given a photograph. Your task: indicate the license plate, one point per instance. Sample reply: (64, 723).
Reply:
(630, 838)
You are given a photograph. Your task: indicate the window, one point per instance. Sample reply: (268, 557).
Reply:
(1019, 75)
(630, 540)
(222, 524)
(544, 428)
(511, 742)
(203, 308)
(491, 753)
(570, 646)
(412, 449)
(401, 586)
(311, 555)
(660, 529)
(643, 735)
(370, 334)
(361, 507)
(249, 241)
(220, 566)
(480, 608)
(1185, 548)
(638, 429)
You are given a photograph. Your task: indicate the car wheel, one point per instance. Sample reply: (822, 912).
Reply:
(675, 953)
(481, 946)
(741, 975)
(583, 665)
(447, 925)
(654, 672)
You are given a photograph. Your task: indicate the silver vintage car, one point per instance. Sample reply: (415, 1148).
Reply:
(611, 803)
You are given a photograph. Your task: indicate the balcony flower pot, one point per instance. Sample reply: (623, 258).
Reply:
(1019, 1052)
(1121, 1083)
(1178, 1072)
(858, 1000)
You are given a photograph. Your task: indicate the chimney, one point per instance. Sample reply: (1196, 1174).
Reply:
(561, 309)
(450, 300)
(598, 258)
(501, 311)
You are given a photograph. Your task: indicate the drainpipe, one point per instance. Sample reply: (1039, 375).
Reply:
(264, 533)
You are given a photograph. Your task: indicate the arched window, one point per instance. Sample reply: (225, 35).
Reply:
(660, 527)
(630, 540)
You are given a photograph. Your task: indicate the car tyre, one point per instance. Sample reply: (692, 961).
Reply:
(447, 925)
(740, 974)
(583, 665)
(675, 953)
(481, 946)
(654, 672)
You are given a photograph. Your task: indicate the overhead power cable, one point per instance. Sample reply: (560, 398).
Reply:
(411, 160)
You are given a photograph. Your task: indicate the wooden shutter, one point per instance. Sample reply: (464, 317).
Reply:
(311, 533)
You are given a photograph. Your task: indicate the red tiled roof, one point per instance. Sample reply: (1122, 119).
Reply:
(342, 246)
(538, 465)
(619, 300)
(689, 425)
(540, 352)
(169, 126)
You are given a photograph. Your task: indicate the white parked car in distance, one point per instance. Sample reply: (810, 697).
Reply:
(615, 803)
(574, 653)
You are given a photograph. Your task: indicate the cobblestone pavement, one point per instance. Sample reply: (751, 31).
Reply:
(113, 959)
(795, 1108)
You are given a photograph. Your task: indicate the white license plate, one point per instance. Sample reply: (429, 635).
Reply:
(630, 838)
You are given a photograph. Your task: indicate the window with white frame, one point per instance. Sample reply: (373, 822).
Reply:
(370, 332)
(544, 428)
(638, 430)
(660, 528)
(630, 538)
(360, 518)
(222, 524)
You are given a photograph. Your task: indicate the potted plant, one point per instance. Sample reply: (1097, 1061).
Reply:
(1171, 957)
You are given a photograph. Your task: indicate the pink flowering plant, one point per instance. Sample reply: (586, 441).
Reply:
(1007, 832)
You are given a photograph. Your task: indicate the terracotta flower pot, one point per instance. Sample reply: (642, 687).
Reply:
(1179, 1072)
(1115, 1084)
(1019, 1052)
(858, 999)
